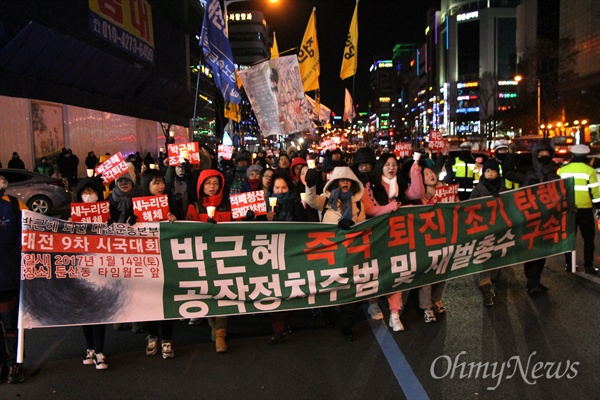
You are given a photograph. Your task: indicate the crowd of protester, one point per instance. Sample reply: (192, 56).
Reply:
(343, 189)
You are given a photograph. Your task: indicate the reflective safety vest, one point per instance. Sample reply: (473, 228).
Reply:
(508, 184)
(463, 170)
(587, 188)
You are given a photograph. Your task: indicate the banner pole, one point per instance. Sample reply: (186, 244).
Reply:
(20, 331)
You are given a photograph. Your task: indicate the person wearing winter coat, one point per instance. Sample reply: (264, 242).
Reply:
(91, 190)
(385, 193)
(490, 184)
(542, 169)
(121, 204)
(211, 189)
(341, 204)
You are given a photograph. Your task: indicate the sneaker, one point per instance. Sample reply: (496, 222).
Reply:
(375, 311)
(591, 270)
(100, 361)
(16, 374)
(429, 316)
(195, 321)
(395, 323)
(89, 357)
(167, 350)
(151, 346)
(439, 307)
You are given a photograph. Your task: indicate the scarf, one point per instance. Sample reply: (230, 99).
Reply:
(253, 183)
(124, 202)
(336, 196)
(493, 185)
(284, 208)
(393, 186)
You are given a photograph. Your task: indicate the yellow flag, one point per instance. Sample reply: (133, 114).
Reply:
(350, 57)
(232, 111)
(308, 56)
(274, 49)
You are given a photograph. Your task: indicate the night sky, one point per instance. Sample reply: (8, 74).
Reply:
(381, 24)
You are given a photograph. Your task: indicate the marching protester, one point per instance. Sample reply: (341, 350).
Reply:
(385, 193)
(181, 183)
(363, 163)
(284, 163)
(252, 182)
(542, 169)
(211, 189)
(490, 184)
(238, 176)
(152, 183)
(91, 190)
(288, 208)
(587, 197)
(297, 163)
(121, 205)
(10, 282)
(430, 296)
(341, 204)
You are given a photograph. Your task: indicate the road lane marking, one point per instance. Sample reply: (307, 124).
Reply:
(408, 381)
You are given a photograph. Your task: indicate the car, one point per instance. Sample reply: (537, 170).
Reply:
(42, 194)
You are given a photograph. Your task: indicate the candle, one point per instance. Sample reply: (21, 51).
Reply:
(272, 202)
(151, 166)
(416, 156)
(311, 164)
(303, 196)
(90, 173)
(210, 210)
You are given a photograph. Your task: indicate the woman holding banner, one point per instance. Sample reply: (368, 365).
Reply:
(385, 193)
(341, 204)
(288, 207)
(152, 183)
(212, 207)
(91, 190)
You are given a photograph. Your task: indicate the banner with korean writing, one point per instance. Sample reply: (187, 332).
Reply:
(157, 271)
(242, 202)
(437, 142)
(180, 152)
(98, 211)
(112, 168)
(447, 193)
(403, 150)
(151, 208)
(225, 152)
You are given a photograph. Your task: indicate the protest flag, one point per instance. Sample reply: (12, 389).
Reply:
(275, 48)
(349, 60)
(308, 56)
(349, 112)
(217, 51)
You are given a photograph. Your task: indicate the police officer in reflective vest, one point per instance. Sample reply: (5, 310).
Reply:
(500, 153)
(462, 170)
(587, 197)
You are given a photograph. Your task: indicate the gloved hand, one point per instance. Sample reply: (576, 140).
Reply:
(345, 224)
(110, 222)
(132, 220)
(311, 178)
(249, 216)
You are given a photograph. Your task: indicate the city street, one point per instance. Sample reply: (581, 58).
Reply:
(520, 348)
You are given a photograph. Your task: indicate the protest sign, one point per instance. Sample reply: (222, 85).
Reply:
(90, 212)
(151, 208)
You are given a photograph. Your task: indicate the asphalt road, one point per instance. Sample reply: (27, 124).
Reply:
(521, 348)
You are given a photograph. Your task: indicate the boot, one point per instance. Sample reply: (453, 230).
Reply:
(220, 344)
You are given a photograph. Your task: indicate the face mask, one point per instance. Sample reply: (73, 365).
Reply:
(500, 156)
(89, 198)
(545, 160)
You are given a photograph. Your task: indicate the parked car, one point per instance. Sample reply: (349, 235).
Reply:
(41, 193)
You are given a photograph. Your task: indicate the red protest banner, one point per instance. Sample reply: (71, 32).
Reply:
(112, 168)
(242, 202)
(403, 150)
(98, 212)
(225, 152)
(178, 152)
(447, 193)
(151, 208)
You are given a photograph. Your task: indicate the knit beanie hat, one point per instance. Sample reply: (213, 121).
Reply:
(491, 164)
